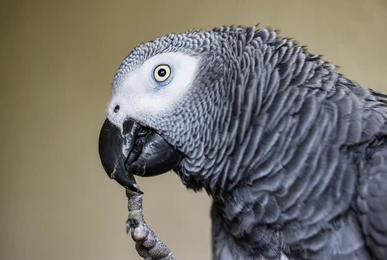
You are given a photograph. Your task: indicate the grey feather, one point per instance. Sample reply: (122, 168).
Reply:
(293, 153)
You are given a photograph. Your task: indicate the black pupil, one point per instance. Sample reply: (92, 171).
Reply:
(162, 72)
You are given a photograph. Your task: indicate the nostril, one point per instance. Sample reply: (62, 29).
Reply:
(116, 108)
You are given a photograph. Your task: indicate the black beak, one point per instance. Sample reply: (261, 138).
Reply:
(134, 151)
(113, 147)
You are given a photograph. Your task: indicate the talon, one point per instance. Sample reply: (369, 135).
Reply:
(131, 223)
(127, 225)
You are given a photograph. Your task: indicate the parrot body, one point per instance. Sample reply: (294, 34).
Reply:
(293, 154)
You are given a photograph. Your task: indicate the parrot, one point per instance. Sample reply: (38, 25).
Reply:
(292, 153)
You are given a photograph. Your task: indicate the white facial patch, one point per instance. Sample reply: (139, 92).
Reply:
(140, 97)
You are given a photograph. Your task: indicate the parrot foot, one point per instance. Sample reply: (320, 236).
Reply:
(148, 246)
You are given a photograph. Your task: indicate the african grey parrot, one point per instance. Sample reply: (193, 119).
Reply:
(293, 154)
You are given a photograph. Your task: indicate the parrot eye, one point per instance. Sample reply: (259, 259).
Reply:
(161, 73)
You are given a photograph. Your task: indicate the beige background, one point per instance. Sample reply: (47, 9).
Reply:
(57, 61)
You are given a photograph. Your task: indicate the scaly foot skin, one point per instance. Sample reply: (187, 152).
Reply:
(148, 246)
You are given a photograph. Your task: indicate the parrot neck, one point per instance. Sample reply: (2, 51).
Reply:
(261, 121)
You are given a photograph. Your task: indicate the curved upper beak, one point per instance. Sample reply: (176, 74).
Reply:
(113, 149)
(134, 150)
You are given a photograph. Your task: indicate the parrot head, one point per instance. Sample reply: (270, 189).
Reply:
(171, 108)
(131, 140)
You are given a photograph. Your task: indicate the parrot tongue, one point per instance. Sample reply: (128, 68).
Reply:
(114, 149)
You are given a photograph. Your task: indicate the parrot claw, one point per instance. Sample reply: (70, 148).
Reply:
(131, 223)
(148, 245)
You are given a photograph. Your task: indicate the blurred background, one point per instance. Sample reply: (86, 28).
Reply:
(57, 62)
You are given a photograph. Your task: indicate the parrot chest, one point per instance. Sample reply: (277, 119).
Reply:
(241, 232)
(240, 236)
(252, 225)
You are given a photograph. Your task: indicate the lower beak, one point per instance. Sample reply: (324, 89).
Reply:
(113, 150)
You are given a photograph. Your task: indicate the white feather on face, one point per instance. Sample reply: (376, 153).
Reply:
(141, 97)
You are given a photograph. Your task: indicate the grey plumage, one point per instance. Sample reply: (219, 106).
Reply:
(293, 154)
